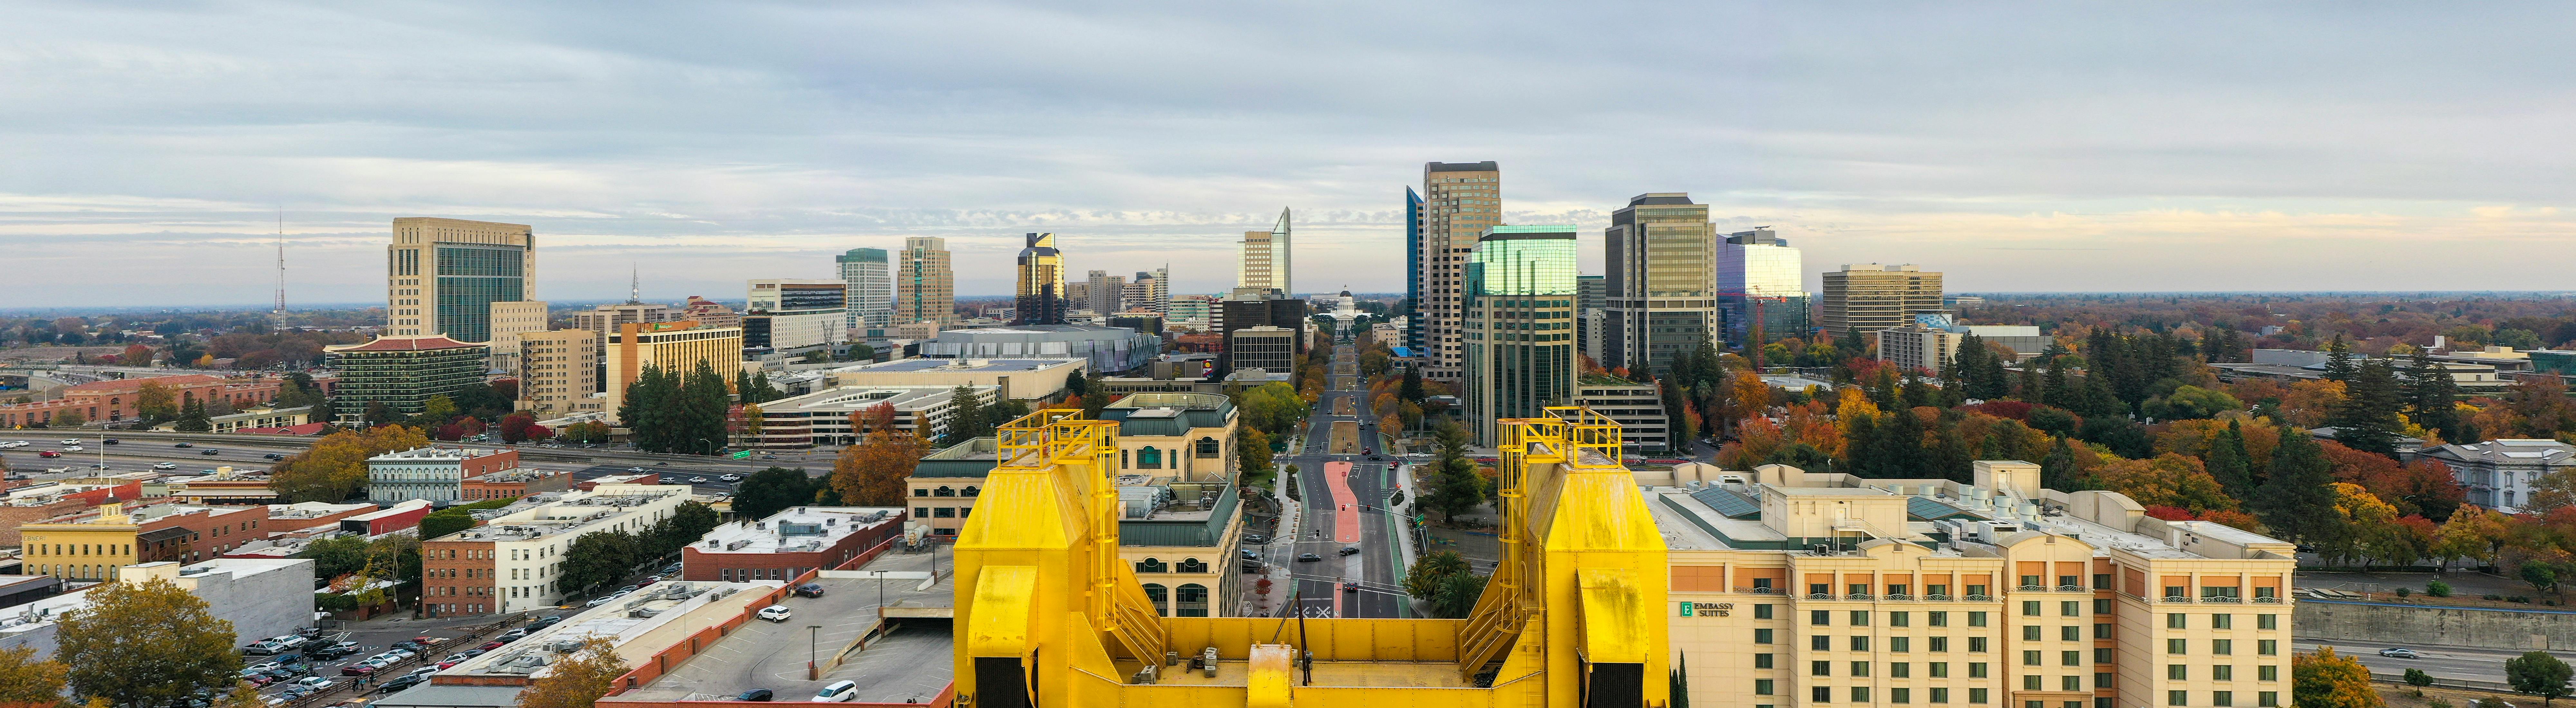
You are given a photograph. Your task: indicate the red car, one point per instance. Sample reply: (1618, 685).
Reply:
(488, 646)
(49, 453)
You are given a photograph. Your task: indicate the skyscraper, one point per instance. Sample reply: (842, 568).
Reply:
(1519, 325)
(1591, 312)
(1459, 200)
(871, 290)
(1041, 282)
(925, 288)
(1864, 298)
(1662, 259)
(1265, 261)
(1106, 292)
(1150, 290)
(442, 275)
(1772, 279)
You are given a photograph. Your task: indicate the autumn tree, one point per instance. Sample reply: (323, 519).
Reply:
(26, 681)
(154, 402)
(1252, 452)
(2325, 680)
(145, 643)
(336, 466)
(579, 680)
(872, 473)
(2171, 479)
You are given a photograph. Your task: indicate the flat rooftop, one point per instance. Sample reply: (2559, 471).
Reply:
(802, 529)
(905, 658)
(957, 365)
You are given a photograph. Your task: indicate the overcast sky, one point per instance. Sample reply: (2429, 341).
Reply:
(146, 149)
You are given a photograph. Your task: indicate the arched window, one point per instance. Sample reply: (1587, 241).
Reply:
(944, 492)
(1192, 565)
(1150, 565)
(1149, 458)
(1208, 447)
(972, 491)
(1157, 594)
(1192, 601)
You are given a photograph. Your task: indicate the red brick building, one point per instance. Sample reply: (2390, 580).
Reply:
(115, 400)
(789, 543)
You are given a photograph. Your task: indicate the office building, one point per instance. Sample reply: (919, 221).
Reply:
(1761, 284)
(1105, 350)
(1040, 283)
(1519, 325)
(788, 543)
(836, 416)
(787, 314)
(1028, 378)
(1193, 309)
(2500, 474)
(1150, 291)
(1247, 308)
(403, 373)
(559, 373)
(513, 562)
(1457, 203)
(1143, 321)
(92, 544)
(115, 399)
(442, 276)
(1106, 293)
(870, 281)
(509, 320)
(432, 474)
(1266, 348)
(1802, 588)
(673, 346)
(1865, 298)
(1644, 426)
(1265, 261)
(1932, 341)
(925, 285)
(1661, 285)
(603, 320)
(1591, 314)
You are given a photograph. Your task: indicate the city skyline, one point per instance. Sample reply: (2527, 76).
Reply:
(1982, 142)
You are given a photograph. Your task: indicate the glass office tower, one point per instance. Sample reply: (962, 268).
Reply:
(1762, 265)
(1519, 328)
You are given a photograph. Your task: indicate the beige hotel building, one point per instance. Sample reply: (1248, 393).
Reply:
(1796, 589)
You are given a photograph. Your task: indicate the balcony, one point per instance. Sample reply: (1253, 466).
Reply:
(1937, 598)
(2266, 600)
(1858, 596)
(1973, 597)
(2033, 588)
(1758, 591)
(2223, 599)
(1898, 597)
(2177, 599)
(1820, 596)
(2073, 588)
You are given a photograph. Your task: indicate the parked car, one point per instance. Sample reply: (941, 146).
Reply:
(2400, 653)
(401, 682)
(547, 621)
(648, 581)
(262, 648)
(629, 589)
(1255, 538)
(757, 694)
(1249, 555)
(359, 669)
(809, 590)
(512, 636)
(775, 613)
(316, 683)
(838, 692)
(488, 646)
(597, 601)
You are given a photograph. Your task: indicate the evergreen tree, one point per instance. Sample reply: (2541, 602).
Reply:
(2028, 387)
(2056, 389)
(2057, 470)
(1950, 453)
(642, 408)
(2094, 398)
(2297, 500)
(1899, 443)
(2338, 360)
(967, 420)
(192, 418)
(2367, 419)
(1671, 391)
(1917, 392)
(1860, 445)
(704, 400)
(2228, 462)
(1411, 389)
(2430, 394)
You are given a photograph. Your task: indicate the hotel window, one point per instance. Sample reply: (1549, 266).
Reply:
(2222, 621)
(1977, 619)
(1860, 643)
(2070, 633)
(2267, 672)
(1820, 643)
(2175, 620)
(2030, 633)
(2030, 608)
(2222, 647)
(2102, 630)
(2177, 698)
(2267, 621)
(2101, 607)
(1899, 695)
(2070, 683)
(2178, 672)
(1820, 668)
(2030, 657)
(1762, 661)
(1977, 645)
(1762, 687)
(1940, 644)
(1938, 669)
(1899, 619)
(1860, 618)
(1976, 695)
(2222, 672)
(2267, 647)
(2174, 646)
(1860, 694)
(1976, 669)
(2267, 699)
(2070, 608)
(1899, 669)
(2070, 657)
(1940, 695)
(1761, 636)
(1900, 644)
(1821, 694)
(1860, 669)
(1820, 618)
(1937, 619)
(1762, 612)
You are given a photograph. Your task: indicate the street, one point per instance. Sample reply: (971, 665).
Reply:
(1345, 507)
(2441, 662)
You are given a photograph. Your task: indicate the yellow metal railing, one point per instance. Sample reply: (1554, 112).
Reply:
(1584, 429)
(1049, 433)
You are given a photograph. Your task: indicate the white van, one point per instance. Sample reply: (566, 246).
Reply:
(775, 613)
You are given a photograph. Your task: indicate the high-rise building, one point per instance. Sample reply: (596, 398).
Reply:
(1459, 200)
(1591, 315)
(558, 372)
(442, 275)
(1254, 307)
(605, 318)
(403, 373)
(1868, 297)
(673, 346)
(783, 313)
(1270, 349)
(925, 285)
(1759, 273)
(1265, 262)
(1107, 292)
(871, 290)
(511, 318)
(1519, 325)
(1194, 309)
(1041, 283)
(1662, 260)
(1150, 291)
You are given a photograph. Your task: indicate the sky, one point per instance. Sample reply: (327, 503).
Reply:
(152, 150)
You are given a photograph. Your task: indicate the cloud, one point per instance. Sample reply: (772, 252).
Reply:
(2018, 146)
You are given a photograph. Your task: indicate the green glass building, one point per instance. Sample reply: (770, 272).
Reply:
(1520, 325)
(403, 373)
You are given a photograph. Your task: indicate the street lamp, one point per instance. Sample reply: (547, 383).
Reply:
(813, 651)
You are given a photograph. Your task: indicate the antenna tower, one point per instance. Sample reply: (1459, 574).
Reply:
(280, 309)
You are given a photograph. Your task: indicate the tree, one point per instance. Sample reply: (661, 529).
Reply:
(1454, 485)
(1424, 580)
(2539, 674)
(872, 473)
(2431, 398)
(2555, 489)
(514, 427)
(968, 421)
(68, 418)
(2227, 463)
(336, 466)
(2171, 479)
(589, 432)
(2297, 500)
(2339, 360)
(446, 521)
(1412, 387)
(1252, 452)
(2367, 420)
(26, 681)
(145, 643)
(154, 402)
(192, 418)
(767, 491)
(597, 558)
(2325, 680)
(578, 681)
(1457, 596)
(2190, 402)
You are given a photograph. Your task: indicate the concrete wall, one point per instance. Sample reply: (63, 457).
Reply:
(2399, 625)
(265, 604)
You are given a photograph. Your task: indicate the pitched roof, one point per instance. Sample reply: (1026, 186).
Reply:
(406, 344)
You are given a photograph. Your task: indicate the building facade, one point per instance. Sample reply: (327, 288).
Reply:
(1265, 260)
(403, 373)
(673, 346)
(514, 562)
(442, 275)
(2499, 474)
(1459, 200)
(431, 474)
(1761, 283)
(1266, 348)
(1187, 437)
(834, 417)
(1519, 326)
(559, 373)
(1193, 309)
(1639, 409)
(705, 312)
(1661, 256)
(869, 278)
(925, 285)
(788, 543)
(91, 545)
(1865, 298)
(603, 320)
(509, 320)
(116, 399)
(783, 313)
(1105, 350)
(1040, 285)
(1105, 293)
(1150, 291)
(1248, 308)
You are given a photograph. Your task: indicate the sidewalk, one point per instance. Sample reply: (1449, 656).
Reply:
(1276, 566)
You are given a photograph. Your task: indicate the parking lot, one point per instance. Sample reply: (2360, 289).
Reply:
(372, 637)
(907, 664)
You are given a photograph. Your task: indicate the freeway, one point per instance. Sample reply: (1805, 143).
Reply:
(138, 451)
(1345, 508)
(2442, 662)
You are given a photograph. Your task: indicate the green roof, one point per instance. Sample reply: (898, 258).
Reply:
(973, 458)
(1602, 379)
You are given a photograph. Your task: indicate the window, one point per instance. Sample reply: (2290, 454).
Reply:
(1899, 695)
(1820, 668)
(1762, 612)
(2102, 655)
(1155, 593)
(1900, 644)
(2222, 621)
(1976, 669)
(1150, 565)
(1979, 591)
(1762, 661)
(1820, 589)
(1860, 694)
(2070, 683)
(1943, 590)
(2267, 699)
(1937, 619)
(1977, 644)
(1899, 619)
(2070, 608)
(1860, 643)
(1761, 636)
(1976, 695)
(1820, 643)
(2177, 591)
(1762, 687)
(2222, 672)
(1899, 669)
(1896, 589)
(2030, 633)
(2177, 698)
(2070, 633)
(1821, 694)
(2030, 608)
(1820, 618)
(2267, 647)
(2102, 680)
(2174, 620)
(1977, 619)
(1938, 669)
(2174, 646)
(921, 492)
(2222, 699)
(1857, 589)
(2177, 672)
(2267, 621)
(919, 512)
(2101, 581)
(945, 512)
(2222, 647)
(2030, 582)
(1941, 644)
(2102, 607)
(1192, 565)
(1860, 669)
(1940, 695)
(2267, 672)
(2030, 657)
(1190, 601)
(2070, 657)
(1860, 618)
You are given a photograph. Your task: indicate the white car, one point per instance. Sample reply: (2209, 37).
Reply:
(777, 613)
(71, 448)
(838, 692)
(71, 441)
(731, 478)
(166, 466)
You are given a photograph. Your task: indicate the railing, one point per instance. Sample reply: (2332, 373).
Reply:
(2267, 600)
(2222, 599)
(1820, 596)
(1758, 591)
(1858, 596)
(2073, 588)
(1899, 597)
(2183, 599)
(1972, 597)
(2034, 588)
(1937, 597)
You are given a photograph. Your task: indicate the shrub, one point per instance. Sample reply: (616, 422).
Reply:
(2519, 599)
(2436, 703)
(2493, 596)
(2403, 592)
(2417, 677)
(2437, 589)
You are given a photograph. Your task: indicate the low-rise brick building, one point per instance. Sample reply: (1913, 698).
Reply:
(789, 543)
(117, 399)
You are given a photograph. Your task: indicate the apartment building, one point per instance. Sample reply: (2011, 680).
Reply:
(512, 562)
(1792, 588)
(925, 285)
(870, 278)
(559, 372)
